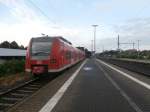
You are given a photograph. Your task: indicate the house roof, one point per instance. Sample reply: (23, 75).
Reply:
(12, 52)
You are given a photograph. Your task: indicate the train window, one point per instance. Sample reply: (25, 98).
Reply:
(68, 55)
(40, 50)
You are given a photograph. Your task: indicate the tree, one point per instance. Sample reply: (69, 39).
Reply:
(11, 45)
(22, 47)
(5, 44)
(14, 45)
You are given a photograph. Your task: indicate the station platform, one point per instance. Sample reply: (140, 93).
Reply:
(91, 91)
(94, 88)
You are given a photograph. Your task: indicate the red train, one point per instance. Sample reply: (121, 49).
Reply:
(51, 54)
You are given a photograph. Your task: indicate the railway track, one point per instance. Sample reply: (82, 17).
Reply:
(15, 95)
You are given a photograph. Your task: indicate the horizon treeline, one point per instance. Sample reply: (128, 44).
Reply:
(11, 45)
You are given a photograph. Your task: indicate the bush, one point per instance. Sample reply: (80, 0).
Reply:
(12, 67)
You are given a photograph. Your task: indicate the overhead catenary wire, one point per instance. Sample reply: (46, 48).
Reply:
(137, 14)
(41, 11)
(141, 10)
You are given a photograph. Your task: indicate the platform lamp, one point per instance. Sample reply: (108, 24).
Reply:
(94, 37)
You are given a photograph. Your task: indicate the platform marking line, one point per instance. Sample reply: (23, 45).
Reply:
(129, 100)
(54, 100)
(127, 75)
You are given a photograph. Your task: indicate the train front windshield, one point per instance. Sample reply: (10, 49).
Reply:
(40, 48)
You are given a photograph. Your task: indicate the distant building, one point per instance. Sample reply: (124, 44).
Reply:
(131, 50)
(81, 48)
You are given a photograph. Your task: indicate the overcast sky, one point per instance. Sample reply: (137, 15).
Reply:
(22, 19)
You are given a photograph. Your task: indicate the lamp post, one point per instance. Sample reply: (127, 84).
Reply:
(94, 37)
(91, 45)
(138, 49)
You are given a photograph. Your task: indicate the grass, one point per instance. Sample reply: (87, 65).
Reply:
(11, 67)
(10, 80)
(12, 72)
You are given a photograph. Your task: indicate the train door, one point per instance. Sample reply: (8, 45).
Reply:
(62, 55)
(72, 57)
(68, 56)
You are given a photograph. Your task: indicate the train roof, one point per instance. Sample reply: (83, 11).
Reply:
(50, 38)
(45, 38)
(63, 39)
